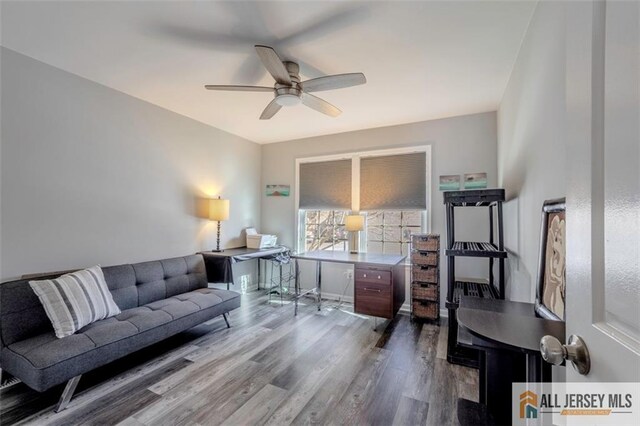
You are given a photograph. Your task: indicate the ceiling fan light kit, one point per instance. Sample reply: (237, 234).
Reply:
(288, 99)
(289, 90)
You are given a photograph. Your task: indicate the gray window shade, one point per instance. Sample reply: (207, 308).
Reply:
(393, 182)
(325, 185)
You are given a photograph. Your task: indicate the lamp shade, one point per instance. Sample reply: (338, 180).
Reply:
(218, 209)
(354, 222)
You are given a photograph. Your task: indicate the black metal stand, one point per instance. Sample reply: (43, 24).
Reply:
(492, 250)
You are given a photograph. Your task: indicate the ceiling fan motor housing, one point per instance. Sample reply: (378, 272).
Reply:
(294, 71)
(289, 95)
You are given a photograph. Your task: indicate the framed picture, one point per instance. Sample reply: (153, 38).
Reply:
(475, 180)
(278, 190)
(551, 289)
(449, 182)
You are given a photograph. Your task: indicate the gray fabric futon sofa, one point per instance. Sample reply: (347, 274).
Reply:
(158, 299)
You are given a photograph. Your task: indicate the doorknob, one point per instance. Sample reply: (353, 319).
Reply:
(554, 352)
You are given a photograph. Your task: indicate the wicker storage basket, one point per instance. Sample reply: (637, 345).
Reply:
(424, 291)
(424, 274)
(426, 310)
(425, 242)
(424, 259)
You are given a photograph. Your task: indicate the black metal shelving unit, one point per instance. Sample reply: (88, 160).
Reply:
(493, 250)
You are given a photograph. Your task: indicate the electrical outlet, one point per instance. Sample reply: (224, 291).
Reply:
(244, 283)
(348, 273)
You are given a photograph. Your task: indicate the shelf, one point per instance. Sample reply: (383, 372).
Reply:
(474, 197)
(492, 199)
(466, 288)
(475, 249)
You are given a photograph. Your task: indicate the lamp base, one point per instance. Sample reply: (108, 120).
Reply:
(218, 249)
(354, 242)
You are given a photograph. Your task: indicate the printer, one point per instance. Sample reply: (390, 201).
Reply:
(259, 241)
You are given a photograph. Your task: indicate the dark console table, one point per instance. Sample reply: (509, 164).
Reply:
(219, 264)
(508, 336)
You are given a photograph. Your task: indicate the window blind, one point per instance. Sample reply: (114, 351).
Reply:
(393, 182)
(325, 185)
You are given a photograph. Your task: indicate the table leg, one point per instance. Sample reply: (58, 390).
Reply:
(258, 274)
(280, 285)
(502, 369)
(297, 287)
(482, 378)
(319, 283)
(537, 369)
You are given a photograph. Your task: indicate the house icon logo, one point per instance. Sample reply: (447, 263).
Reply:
(528, 405)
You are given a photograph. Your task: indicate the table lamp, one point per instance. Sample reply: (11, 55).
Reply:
(354, 224)
(218, 211)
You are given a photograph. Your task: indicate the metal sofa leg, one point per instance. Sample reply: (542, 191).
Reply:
(69, 389)
(226, 319)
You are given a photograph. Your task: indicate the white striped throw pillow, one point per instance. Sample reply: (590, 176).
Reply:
(75, 300)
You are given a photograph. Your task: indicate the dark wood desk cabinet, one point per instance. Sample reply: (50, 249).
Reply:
(379, 289)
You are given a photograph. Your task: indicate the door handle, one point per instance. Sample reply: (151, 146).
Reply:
(554, 352)
(371, 289)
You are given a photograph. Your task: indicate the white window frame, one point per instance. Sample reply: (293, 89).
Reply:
(355, 183)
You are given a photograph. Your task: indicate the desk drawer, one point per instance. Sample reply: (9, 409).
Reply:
(373, 299)
(373, 276)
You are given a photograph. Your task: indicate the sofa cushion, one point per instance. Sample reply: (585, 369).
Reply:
(74, 300)
(121, 280)
(45, 361)
(173, 306)
(144, 318)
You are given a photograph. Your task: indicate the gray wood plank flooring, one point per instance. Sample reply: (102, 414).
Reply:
(327, 367)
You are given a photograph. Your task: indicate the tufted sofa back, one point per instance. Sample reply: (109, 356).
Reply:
(22, 315)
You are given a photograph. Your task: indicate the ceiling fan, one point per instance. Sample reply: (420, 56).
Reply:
(289, 90)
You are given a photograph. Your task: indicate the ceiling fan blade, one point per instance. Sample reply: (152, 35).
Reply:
(319, 105)
(273, 64)
(270, 110)
(238, 88)
(332, 82)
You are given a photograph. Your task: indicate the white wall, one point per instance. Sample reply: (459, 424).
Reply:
(90, 175)
(459, 145)
(531, 142)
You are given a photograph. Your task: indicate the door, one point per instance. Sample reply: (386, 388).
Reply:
(603, 187)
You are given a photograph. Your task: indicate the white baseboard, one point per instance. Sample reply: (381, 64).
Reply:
(334, 296)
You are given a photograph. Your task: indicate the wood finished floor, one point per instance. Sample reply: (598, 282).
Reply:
(326, 367)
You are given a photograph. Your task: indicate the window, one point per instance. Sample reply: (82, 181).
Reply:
(389, 187)
(389, 231)
(325, 230)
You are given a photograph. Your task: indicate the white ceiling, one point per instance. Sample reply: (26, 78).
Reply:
(423, 60)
